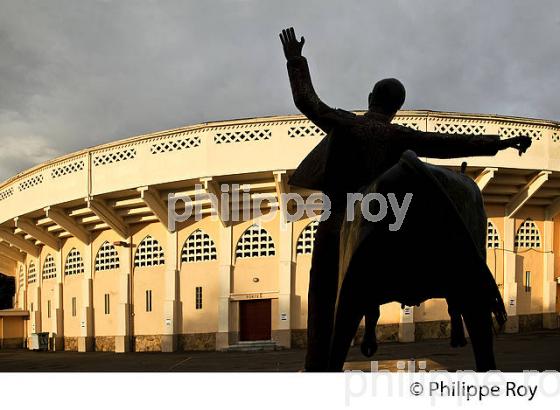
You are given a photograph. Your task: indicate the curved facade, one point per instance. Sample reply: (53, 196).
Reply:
(87, 236)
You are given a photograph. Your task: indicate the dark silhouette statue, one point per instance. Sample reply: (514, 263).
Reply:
(366, 153)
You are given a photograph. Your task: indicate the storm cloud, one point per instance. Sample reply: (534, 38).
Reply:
(75, 74)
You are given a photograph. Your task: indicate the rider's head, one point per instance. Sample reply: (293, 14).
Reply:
(387, 97)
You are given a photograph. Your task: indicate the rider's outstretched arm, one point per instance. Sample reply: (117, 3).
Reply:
(437, 145)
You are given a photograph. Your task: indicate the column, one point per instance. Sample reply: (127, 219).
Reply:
(510, 283)
(550, 320)
(58, 316)
(171, 302)
(123, 312)
(86, 338)
(35, 316)
(406, 325)
(225, 272)
(286, 264)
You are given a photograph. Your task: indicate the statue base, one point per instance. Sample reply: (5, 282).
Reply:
(402, 365)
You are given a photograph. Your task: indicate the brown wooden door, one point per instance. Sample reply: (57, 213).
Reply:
(254, 319)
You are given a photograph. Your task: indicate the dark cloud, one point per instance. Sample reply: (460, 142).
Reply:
(76, 74)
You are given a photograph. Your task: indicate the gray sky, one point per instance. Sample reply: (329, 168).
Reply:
(79, 73)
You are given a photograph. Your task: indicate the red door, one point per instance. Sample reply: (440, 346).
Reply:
(254, 320)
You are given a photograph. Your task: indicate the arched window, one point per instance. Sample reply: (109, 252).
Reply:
(255, 242)
(492, 236)
(21, 277)
(199, 247)
(31, 273)
(307, 238)
(74, 263)
(528, 235)
(49, 267)
(149, 253)
(107, 257)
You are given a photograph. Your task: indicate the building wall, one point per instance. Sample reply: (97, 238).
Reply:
(49, 290)
(74, 287)
(259, 147)
(530, 260)
(149, 279)
(205, 274)
(107, 282)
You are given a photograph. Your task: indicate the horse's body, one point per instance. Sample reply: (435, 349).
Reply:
(439, 252)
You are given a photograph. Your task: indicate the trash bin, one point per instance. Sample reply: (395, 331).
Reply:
(34, 345)
(43, 341)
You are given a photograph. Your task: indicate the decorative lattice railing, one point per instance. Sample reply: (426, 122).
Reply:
(236, 147)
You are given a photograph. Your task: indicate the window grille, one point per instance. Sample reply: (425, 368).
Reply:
(528, 235)
(171, 145)
(305, 131)
(21, 277)
(458, 128)
(49, 267)
(492, 236)
(149, 253)
(67, 169)
(115, 156)
(255, 242)
(107, 257)
(198, 247)
(306, 239)
(31, 274)
(228, 137)
(74, 263)
(509, 132)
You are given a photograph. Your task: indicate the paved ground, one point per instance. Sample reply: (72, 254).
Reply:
(530, 351)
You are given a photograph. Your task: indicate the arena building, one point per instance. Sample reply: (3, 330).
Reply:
(86, 237)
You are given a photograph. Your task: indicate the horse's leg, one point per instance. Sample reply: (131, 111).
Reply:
(457, 332)
(479, 325)
(369, 343)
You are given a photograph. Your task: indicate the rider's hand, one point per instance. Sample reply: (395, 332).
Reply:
(292, 47)
(521, 143)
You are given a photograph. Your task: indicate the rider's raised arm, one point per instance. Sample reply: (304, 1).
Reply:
(305, 97)
(437, 145)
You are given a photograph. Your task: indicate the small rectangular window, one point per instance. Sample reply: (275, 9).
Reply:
(198, 297)
(31, 308)
(48, 309)
(148, 301)
(74, 307)
(107, 305)
(527, 281)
